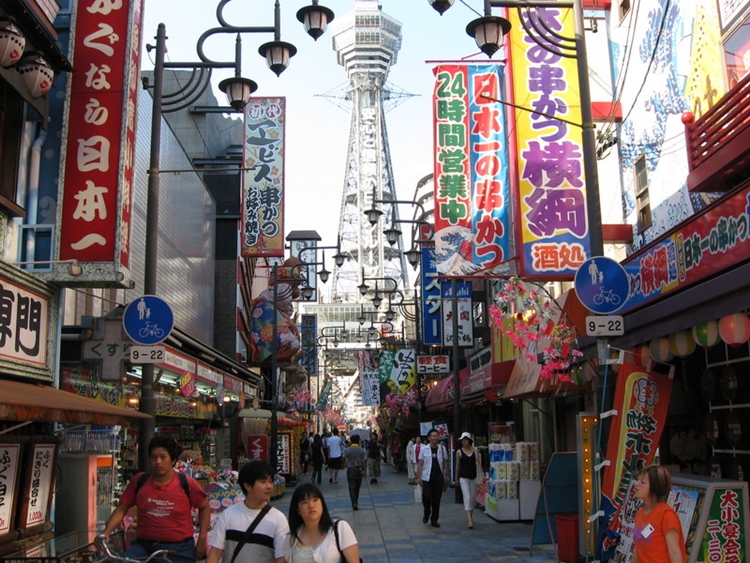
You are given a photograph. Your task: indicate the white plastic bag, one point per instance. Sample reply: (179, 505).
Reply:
(418, 493)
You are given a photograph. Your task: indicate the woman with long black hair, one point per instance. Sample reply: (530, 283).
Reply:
(314, 536)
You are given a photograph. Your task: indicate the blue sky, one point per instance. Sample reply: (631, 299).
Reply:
(317, 130)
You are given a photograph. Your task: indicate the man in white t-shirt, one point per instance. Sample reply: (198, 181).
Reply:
(335, 450)
(269, 541)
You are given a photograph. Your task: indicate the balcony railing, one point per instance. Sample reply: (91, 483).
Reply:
(718, 143)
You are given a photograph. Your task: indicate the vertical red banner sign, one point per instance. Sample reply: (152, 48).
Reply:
(99, 139)
(472, 175)
(641, 401)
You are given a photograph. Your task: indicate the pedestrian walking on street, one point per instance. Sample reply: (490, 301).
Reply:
(315, 536)
(335, 451)
(304, 451)
(469, 464)
(373, 458)
(318, 459)
(411, 458)
(251, 531)
(355, 470)
(658, 533)
(432, 475)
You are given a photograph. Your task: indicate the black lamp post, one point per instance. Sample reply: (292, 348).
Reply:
(238, 90)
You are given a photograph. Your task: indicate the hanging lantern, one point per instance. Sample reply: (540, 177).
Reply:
(12, 43)
(706, 334)
(36, 74)
(642, 355)
(735, 329)
(660, 351)
(681, 343)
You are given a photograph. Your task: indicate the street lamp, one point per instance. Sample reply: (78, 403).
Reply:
(488, 31)
(238, 90)
(424, 230)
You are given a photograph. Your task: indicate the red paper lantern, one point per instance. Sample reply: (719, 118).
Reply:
(735, 329)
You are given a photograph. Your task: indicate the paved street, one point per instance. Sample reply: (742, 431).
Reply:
(389, 527)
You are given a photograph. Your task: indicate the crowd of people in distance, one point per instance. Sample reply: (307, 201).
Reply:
(254, 532)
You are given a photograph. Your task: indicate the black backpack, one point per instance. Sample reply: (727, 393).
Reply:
(144, 477)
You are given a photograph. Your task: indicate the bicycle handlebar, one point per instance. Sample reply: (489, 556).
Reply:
(101, 543)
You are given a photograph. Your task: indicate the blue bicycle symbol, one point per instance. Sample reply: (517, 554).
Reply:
(608, 296)
(151, 329)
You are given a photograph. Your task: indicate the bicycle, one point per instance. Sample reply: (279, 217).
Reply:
(151, 329)
(107, 555)
(609, 296)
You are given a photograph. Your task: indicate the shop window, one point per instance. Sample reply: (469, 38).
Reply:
(643, 202)
(11, 126)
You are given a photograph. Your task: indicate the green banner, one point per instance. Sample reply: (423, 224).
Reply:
(724, 540)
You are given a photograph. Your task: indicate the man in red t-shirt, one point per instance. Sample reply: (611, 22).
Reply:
(165, 501)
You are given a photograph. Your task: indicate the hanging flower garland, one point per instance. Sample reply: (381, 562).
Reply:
(398, 404)
(331, 417)
(298, 399)
(534, 321)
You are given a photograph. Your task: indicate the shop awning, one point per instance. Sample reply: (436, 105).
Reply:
(43, 403)
(441, 395)
(254, 413)
(484, 383)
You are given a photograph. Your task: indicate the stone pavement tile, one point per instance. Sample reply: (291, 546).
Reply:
(389, 527)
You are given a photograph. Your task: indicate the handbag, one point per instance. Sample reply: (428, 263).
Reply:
(336, 533)
(417, 493)
(249, 531)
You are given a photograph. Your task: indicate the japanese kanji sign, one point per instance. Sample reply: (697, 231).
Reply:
(398, 368)
(99, 138)
(263, 178)
(309, 335)
(641, 402)
(433, 364)
(472, 197)
(39, 484)
(369, 382)
(552, 213)
(24, 318)
(709, 242)
(465, 320)
(10, 457)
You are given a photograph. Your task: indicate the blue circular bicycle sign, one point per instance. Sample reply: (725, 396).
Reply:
(602, 285)
(148, 320)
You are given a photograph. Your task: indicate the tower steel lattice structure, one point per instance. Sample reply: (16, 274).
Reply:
(367, 42)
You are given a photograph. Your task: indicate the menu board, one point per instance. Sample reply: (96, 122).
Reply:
(37, 491)
(10, 457)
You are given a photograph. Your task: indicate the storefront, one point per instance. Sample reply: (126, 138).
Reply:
(689, 312)
(197, 389)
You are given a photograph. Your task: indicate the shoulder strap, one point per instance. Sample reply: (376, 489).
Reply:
(185, 485)
(336, 533)
(141, 481)
(249, 531)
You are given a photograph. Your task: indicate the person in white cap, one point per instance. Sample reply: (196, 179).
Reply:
(469, 464)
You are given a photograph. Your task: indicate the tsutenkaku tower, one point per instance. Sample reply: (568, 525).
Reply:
(366, 42)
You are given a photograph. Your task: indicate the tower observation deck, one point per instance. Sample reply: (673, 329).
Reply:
(367, 42)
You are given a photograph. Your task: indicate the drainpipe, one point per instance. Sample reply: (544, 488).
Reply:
(32, 198)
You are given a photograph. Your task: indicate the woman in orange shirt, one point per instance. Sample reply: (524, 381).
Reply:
(658, 534)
